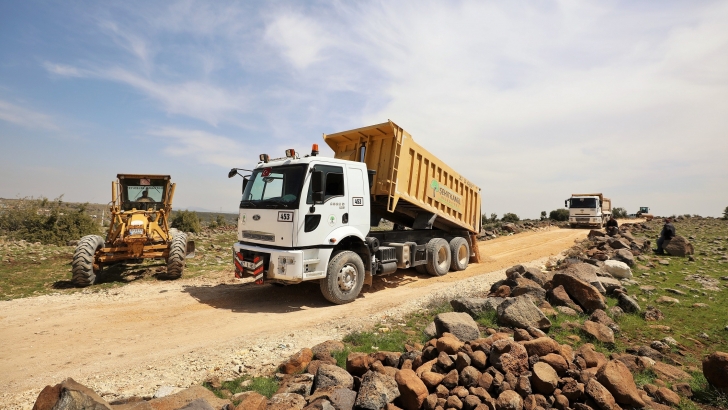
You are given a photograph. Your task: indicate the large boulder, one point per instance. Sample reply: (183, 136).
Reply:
(338, 397)
(583, 293)
(601, 395)
(324, 350)
(559, 297)
(376, 391)
(461, 325)
(329, 375)
(715, 369)
(618, 269)
(252, 400)
(70, 394)
(520, 312)
(508, 400)
(413, 391)
(475, 306)
(617, 378)
(599, 331)
(584, 271)
(678, 246)
(625, 256)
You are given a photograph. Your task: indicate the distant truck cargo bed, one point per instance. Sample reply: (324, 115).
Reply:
(411, 185)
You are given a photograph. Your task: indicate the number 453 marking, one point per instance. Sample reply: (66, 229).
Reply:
(284, 216)
(357, 201)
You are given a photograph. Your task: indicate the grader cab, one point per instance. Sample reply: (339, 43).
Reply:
(644, 212)
(140, 209)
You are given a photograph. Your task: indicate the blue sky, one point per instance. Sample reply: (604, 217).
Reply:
(530, 100)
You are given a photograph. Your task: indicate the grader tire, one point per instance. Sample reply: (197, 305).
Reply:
(176, 258)
(82, 266)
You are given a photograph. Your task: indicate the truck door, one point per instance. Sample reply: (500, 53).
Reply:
(359, 213)
(328, 216)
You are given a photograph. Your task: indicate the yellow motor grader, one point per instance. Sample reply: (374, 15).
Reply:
(139, 229)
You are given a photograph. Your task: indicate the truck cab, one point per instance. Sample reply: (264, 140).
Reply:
(591, 210)
(295, 211)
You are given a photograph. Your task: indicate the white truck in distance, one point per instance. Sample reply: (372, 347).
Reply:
(310, 218)
(588, 210)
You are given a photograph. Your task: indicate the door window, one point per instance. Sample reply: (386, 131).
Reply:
(334, 177)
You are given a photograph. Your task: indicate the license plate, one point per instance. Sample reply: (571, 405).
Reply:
(136, 231)
(249, 265)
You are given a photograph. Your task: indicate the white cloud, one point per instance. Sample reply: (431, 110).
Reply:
(202, 147)
(26, 118)
(299, 38)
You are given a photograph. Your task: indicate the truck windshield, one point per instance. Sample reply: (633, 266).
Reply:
(274, 187)
(583, 202)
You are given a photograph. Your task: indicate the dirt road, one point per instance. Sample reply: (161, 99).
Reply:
(130, 340)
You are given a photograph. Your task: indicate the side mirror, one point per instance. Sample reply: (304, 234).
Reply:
(317, 187)
(566, 203)
(232, 172)
(245, 183)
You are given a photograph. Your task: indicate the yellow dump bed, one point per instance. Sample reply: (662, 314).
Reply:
(409, 180)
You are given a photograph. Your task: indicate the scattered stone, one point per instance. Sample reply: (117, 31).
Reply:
(376, 391)
(544, 378)
(412, 390)
(598, 331)
(461, 325)
(298, 362)
(475, 306)
(586, 295)
(520, 312)
(601, 395)
(667, 396)
(715, 369)
(329, 375)
(653, 314)
(616, 377)
(627, 303)
(666, 300)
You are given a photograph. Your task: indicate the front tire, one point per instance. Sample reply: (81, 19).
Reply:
(84, 257)
(438, 257)
(176, 258)
(344, 278)
(459, 253)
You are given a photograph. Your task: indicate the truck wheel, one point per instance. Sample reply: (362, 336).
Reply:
(83, 270)
(438, 257)
(344, 278)
(459, 254)
(176, 258)
(421, 269)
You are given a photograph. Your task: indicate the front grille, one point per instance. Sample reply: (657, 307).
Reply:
(582, 219)
(259, 236)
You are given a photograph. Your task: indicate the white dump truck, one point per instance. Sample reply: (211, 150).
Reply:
(591, 210)
(310, 218)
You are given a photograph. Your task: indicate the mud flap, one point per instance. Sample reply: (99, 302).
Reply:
(474, 249)
(368, 278)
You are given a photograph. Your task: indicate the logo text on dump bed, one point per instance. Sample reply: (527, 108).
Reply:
(445, 195)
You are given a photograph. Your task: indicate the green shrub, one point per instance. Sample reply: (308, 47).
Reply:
(510, 217)
(725, 213)
(619, 212)
(186, 221)
(48, 222)
(218, 222)
(493, 217)
(543, 215)
(560, 214)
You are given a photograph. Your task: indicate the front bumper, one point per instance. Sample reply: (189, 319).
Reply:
(268, 264)
(585, 220)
